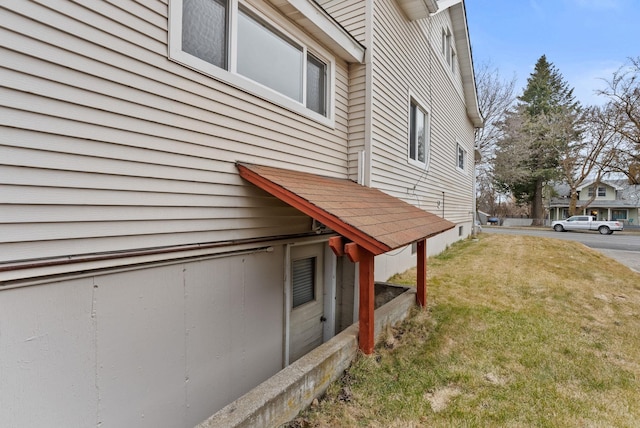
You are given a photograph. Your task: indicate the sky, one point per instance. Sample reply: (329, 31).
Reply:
(586, 40)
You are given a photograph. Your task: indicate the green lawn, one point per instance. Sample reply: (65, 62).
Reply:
(519, 332)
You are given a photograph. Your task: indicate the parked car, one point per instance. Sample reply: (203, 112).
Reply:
(587, 222)
(493, 220)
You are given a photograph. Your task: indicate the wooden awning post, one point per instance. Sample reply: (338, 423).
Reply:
(366, 306)
(421, 283)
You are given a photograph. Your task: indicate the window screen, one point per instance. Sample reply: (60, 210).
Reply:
(316, 85)
(303, 279)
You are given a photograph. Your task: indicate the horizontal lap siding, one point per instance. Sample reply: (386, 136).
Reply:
(357, 113)
(108, 145)
(404, 63)
(351, 14)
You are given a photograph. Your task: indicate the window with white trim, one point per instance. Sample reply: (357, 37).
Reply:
(448, 51)
(602, 191)
(418, 133)
(236, 44)
(461, 156)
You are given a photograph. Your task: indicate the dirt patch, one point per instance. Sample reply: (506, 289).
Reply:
(386, 292)
(440, 398)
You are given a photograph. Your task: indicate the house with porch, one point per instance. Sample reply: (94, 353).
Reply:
(606, 200)
(196, 193)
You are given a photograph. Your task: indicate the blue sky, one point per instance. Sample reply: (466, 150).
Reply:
(585, 39)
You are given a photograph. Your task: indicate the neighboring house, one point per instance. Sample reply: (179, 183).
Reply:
(608, 200)
(163, 248)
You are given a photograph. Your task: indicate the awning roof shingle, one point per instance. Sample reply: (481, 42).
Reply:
(369, 217)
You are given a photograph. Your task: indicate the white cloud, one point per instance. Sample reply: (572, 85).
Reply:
(587, 78)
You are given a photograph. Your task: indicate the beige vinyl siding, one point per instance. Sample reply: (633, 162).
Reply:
(349, 13)
(357, 115)
(107, 145)
(404, 63)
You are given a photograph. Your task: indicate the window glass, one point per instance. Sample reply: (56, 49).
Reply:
(316, 85)
(418, 134)
(453, 61)
(204, 30)
(461, 157)
(268, 58)
(303, 280)
(618, 214)
(602, 191)
(448, 47)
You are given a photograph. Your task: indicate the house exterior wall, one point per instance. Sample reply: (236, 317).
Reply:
(609, 196)
(407, 62)
(418, 70)
(94, 111)
(111, 149)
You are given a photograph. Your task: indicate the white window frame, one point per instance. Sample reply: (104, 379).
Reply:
(231, 77)
(422, 106)
(448, 49)
(454, 58)
(461, 151)
(596, 190)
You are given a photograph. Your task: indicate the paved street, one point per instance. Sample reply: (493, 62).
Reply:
(621, 246)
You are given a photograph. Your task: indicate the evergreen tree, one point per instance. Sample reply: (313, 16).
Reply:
(536, 132)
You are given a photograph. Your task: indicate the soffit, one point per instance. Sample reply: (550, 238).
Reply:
(417, 9)
(458, 16)
(369, 217)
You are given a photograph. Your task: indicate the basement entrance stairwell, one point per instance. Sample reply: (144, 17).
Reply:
(368, 221)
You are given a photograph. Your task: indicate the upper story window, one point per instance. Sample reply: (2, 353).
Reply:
(448, 51)
(602, 191)
(418, 133)
(240, 46)
(462, 156)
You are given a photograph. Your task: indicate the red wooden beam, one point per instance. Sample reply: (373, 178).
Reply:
(336, 245)
(421, 283)
(366, 305)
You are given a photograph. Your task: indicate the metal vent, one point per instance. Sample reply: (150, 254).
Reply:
(303, 278)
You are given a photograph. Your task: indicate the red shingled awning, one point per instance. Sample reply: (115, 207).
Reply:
(374, 220)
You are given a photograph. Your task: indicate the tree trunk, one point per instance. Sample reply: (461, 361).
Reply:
(537, 209)
(573, 202)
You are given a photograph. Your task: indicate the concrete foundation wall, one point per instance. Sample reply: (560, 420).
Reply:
(280, 398)
(157, 347)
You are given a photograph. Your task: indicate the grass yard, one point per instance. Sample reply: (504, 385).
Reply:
(519, 332)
